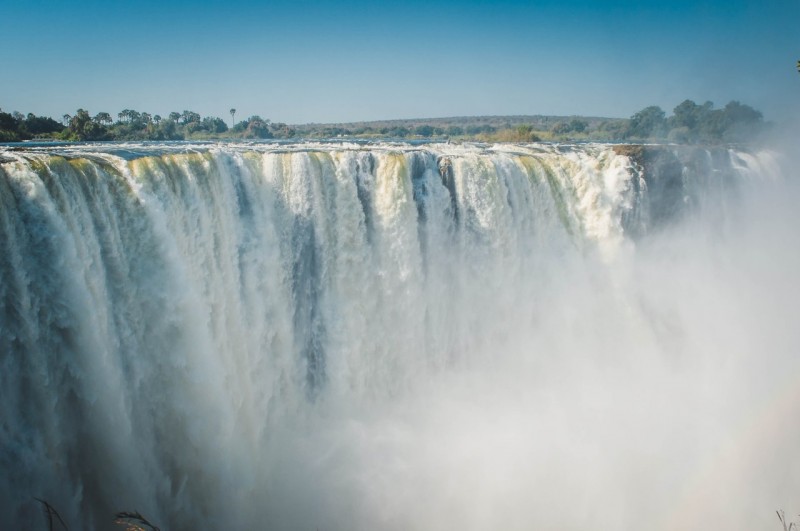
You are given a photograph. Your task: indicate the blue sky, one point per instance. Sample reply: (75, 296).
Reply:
(323, 61)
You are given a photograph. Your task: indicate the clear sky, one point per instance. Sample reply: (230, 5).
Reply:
(301, 61)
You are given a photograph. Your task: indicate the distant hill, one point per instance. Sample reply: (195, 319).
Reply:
(516, 128)
(496, 121)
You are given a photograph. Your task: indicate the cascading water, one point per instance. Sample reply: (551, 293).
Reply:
(337, 336)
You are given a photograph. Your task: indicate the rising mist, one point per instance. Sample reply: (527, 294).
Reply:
(384, 337)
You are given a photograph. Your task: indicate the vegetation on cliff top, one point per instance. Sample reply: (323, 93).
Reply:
(689, 123)
(134, 125)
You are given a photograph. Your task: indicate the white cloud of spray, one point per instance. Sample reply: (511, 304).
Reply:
(655, 391)
(498, 376)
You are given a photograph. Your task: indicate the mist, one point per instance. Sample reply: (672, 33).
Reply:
(380, 354)
(656, 391)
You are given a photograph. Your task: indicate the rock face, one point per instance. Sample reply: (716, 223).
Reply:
(661, 172)
(674, 181)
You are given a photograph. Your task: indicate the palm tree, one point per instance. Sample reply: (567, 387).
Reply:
(103, 118)
(189, 117)
(233, 120)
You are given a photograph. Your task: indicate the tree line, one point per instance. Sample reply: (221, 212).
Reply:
(689, 123)
(692, 123)
(135, 125)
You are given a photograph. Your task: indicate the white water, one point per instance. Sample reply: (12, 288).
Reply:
(323, 337)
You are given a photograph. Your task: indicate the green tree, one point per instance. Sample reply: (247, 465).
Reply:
(78, 123)
(10, 128)
(103, 118)
(741, 122)
(40, 125)
(82, 127)
(560, 128)
(524, 133)
(281, 130)
(686, 114)
(578, 126)
(167, 130)
(736, 112)
(188, 117)
(233, 116)
(8, 122)
(648, 123)
(213, 125)
(257, 127)
(424, 130)
(613, 129)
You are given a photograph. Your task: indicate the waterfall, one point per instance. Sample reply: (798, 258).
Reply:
(380, 336)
